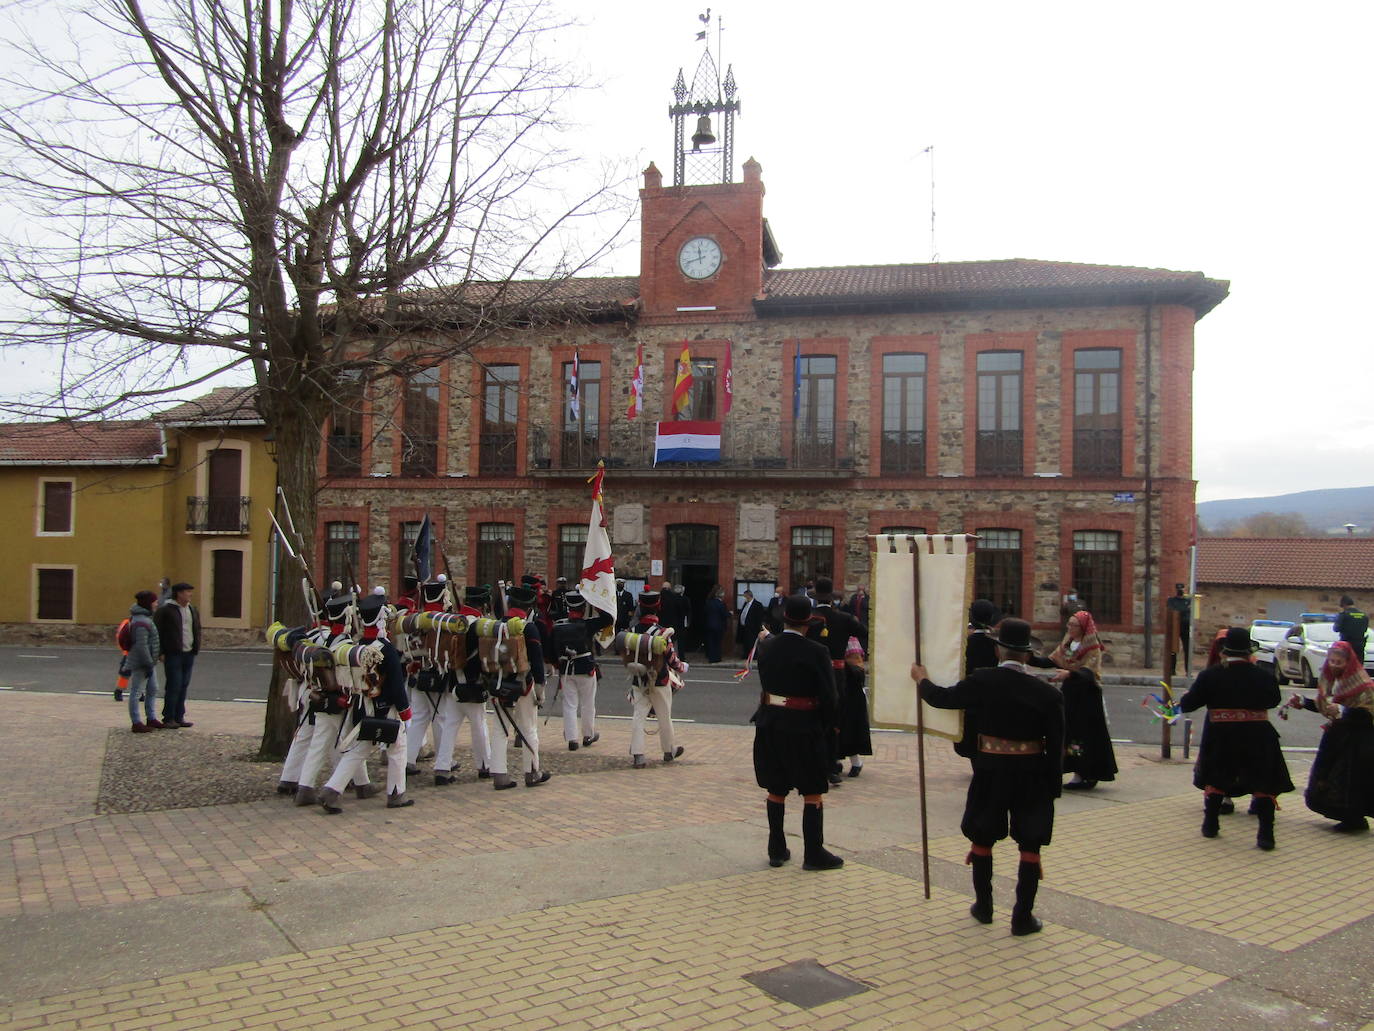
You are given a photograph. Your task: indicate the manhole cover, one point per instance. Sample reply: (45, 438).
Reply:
(805, 983)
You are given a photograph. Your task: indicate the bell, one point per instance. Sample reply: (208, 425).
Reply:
(703, 135)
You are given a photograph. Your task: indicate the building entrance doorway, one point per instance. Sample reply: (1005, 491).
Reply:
(694, 562)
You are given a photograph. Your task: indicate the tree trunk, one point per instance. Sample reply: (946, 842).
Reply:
(297, 430)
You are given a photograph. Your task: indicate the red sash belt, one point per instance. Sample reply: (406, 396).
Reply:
(989, 745)
(837, 663)
(1238, 715)
(783, 701)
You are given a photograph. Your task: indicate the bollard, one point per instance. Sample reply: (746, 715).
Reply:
(1187, 736)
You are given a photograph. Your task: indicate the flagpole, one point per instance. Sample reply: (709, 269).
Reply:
(920, 715)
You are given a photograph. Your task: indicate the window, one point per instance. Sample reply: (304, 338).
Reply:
(813, 553)
(572, 547)
(1097, 412)
(420, 424)
(500, 417)
(226, 596)
(582, 432)
(341, 551)
(344, 446)
(1097, 573)
(55, 507)
(900, 530)
(904, 413)
(814, 433)
(56, 594)
(997, 569)
(998, 447)
(224, 510)
(701, 401)
(495, 552)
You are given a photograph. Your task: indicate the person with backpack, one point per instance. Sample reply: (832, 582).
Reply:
(140, 640)
(122, 677)
(519, 661)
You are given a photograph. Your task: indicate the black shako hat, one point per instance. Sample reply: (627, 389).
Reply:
(797, 610)
(1237, 642)
(1014, 635)
(649, 599)
(477, 596)
(433, 590)
(825, 589)
(983, 613)
(574, 600)
(520, 597)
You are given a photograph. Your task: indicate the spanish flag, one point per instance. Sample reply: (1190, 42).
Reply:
(682, 386)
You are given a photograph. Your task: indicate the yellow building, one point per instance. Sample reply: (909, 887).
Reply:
(97, 511)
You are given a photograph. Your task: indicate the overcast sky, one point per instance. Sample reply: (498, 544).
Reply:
(1228, 138)
(1222, 137)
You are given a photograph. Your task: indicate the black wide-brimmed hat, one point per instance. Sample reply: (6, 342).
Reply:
(1237, 642)
(1014, 635)
(520, 597)
(797, 610)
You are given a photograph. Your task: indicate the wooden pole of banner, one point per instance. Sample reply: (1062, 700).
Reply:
(920, 715)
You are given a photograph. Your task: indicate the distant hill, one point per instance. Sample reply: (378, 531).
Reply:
(1323, 509)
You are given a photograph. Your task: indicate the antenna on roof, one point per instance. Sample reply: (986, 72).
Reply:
(934, 253)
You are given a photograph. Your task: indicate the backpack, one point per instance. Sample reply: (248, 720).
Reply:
(124, 636)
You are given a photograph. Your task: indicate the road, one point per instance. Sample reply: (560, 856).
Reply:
(712, 695)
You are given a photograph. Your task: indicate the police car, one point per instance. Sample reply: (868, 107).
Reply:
(1266, 633)
(1300, 653)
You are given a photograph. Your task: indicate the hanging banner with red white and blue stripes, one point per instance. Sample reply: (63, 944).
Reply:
(686, 441)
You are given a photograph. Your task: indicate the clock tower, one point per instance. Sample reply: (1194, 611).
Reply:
(704, 242)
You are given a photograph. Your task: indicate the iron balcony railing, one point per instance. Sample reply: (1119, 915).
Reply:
(746, 446)
(999, 452)
(1097, 452)
(217, 514)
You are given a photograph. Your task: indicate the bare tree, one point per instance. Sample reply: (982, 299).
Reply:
(316, 192)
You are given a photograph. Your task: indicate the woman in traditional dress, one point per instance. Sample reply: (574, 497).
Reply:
(1341, 784)
(1088, 744)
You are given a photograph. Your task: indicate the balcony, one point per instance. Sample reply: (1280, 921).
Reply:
(217, 514)
(999, 453)
(1097, 452)
(752, 447)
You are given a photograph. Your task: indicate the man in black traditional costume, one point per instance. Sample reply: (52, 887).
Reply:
(1017, 769)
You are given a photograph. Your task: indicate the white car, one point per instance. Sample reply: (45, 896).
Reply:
(1267, 633)
(1299, 655)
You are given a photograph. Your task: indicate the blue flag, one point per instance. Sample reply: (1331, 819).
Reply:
(424, 551)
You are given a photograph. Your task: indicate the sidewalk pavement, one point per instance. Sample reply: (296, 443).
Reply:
(616, 898)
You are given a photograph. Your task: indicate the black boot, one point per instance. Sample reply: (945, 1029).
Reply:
(813, 837)
(1264, 836)
(778, 852)
(1211, 814)
(981, 910)
(1023, 921)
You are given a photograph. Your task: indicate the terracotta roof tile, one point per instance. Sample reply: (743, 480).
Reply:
(81, 443)
(1335, 563)
(974, 279)
(222, 405)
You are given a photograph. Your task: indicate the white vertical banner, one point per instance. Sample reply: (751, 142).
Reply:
(943, 566)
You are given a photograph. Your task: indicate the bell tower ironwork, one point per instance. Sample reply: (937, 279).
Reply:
(703, 158)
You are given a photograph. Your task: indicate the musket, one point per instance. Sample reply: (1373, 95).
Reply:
(356, 620)
(310, 588)
(452, 588)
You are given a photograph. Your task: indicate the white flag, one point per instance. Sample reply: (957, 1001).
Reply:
(597, 582)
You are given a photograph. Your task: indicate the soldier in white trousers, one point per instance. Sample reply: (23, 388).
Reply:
(521, 692)
(352, 766)
(653, 689)
(574, 656)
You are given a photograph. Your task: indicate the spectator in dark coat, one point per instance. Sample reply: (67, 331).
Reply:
(178, 624)
(715, 616)
(750, 622)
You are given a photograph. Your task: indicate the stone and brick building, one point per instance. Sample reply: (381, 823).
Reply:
(1045, 406)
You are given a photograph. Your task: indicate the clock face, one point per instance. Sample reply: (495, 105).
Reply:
(699, 257)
